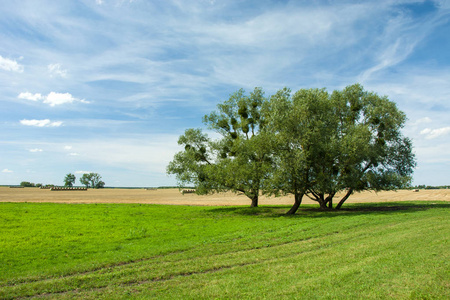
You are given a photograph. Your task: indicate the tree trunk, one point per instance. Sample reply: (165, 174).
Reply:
(329, 200)
(349, 192)
(323, 204)
(254, 201)
(321, 199)
(253, 195)
(297, 201)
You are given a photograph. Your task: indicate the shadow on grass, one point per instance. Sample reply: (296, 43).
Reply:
(313, 211)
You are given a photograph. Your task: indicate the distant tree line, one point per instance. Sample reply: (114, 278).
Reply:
(431, 187)
(30, 184)
(90, 180)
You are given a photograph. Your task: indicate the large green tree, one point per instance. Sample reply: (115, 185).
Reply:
(238, 161)
(309, 143)
(348, 141)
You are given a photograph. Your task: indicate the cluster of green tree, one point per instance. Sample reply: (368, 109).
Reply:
(308, 143)
(30, 184)
(92, 180)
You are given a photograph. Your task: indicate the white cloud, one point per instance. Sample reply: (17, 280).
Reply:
(55, 69)
(6, 171)
(392, 55)
(73, 154)
(67, 147)
(36, 150)
(30, 96)
(10, 65)
(424, 120)
(52, 99)
(58, 98)
(82, 172)
(435, 133)
(41, 123)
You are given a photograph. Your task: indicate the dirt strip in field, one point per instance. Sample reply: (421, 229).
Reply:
(174, 197)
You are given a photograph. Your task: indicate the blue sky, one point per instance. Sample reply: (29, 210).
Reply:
(107, 86)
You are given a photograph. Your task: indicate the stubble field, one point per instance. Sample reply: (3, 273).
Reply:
(174, 197)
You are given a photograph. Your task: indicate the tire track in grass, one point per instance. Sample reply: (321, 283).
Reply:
(111, 269)
(215, 269)
(227, 258)
(254, 259)
(109, 266)
(18, 281)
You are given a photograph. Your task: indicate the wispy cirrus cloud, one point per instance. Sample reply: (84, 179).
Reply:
(393, 54)
(7, 171)
(56, 70)
(82, 172)
(435, 133)
(36, 150)
(52, 99)
(41, 123)
(162, 149)
(68, 148)
(424, 120)
(10, 65)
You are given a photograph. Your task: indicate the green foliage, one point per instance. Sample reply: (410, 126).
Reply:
(326, 143)
(69, 180)
(85, 180)
(27, 184)
(99, 184)
(92, 180)
(125, 251)
(238, 161)
(192, 165)
(309, 143)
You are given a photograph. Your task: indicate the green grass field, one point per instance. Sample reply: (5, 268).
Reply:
(92, 251)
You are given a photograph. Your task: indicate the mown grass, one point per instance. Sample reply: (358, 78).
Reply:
(370, 251)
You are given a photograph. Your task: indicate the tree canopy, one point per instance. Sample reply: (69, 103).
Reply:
(92, 180)
(238, 161)
(348, 140)
(310, 143)
(69, 180)
(27, 184)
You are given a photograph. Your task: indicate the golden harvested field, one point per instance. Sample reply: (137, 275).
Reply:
(174, 197)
